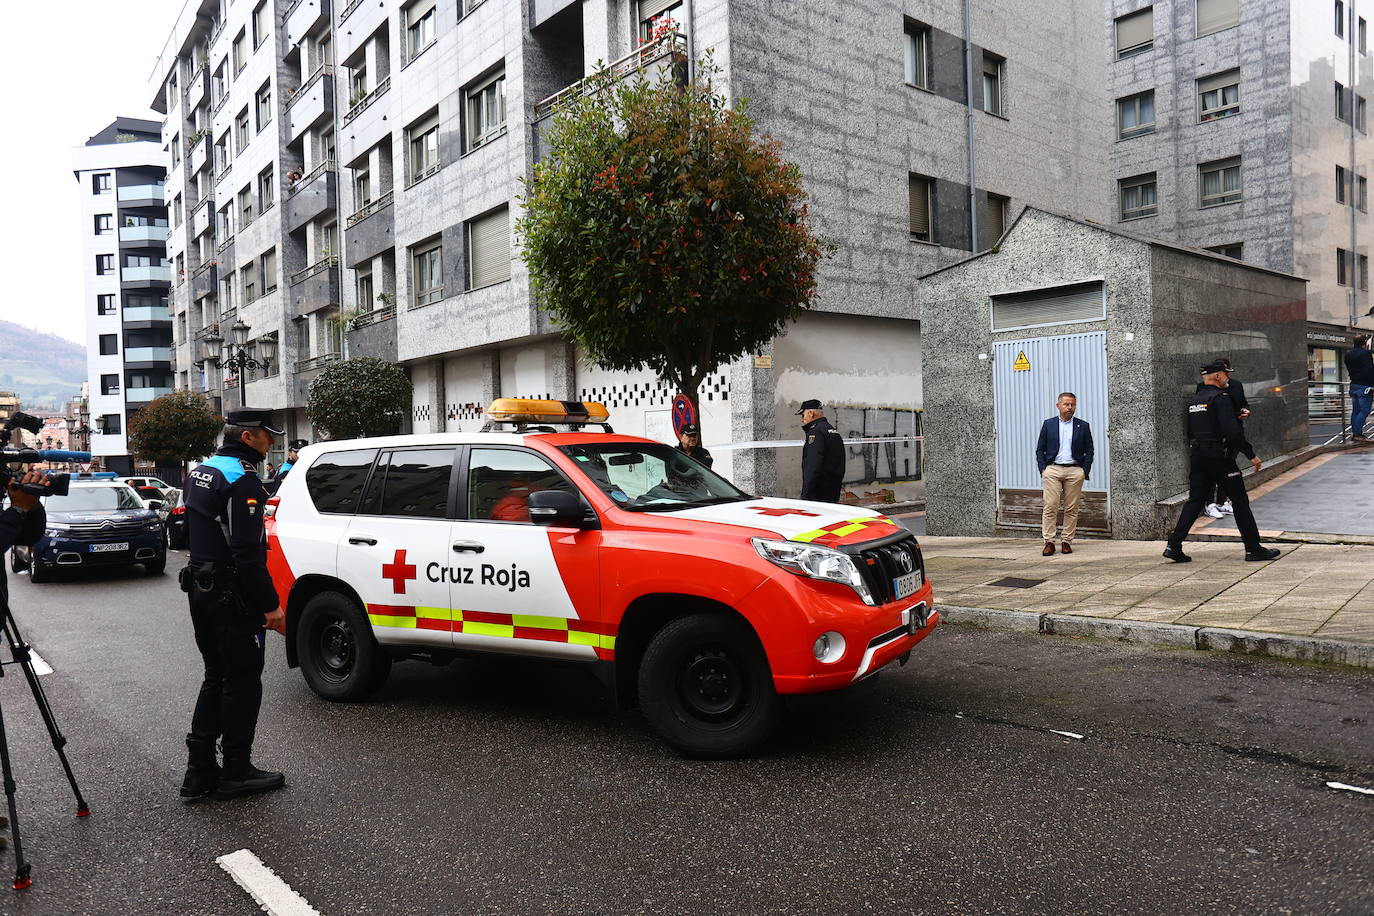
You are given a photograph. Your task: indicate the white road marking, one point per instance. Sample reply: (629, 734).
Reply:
(40, 667)
(1074, 735)
(273, 894)
(1349, 788)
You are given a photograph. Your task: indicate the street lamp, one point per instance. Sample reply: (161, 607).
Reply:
(238, 358)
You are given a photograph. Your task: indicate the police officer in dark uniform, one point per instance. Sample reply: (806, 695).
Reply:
(291, 458)
(822, 455)
(1214, 431)
(232, 603)
(689, 443)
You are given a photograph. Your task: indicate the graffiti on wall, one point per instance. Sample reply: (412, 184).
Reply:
(879, 462)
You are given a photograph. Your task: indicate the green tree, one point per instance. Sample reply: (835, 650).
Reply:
(662, 233)
(179, 427)
(359, 397)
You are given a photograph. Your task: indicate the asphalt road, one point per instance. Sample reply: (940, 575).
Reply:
(513, 787)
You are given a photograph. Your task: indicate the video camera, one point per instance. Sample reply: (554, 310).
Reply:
(57, 484)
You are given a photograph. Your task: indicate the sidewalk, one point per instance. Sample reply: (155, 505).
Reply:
(1315, 602)
(1328, 496)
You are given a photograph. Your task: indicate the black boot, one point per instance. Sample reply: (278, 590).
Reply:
(1175, 553)
(240, 777)
(202, 770)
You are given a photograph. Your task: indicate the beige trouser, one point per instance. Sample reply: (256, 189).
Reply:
(1061, 485)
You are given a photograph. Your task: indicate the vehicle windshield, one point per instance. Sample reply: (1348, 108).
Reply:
(651, 477)
(94, 499)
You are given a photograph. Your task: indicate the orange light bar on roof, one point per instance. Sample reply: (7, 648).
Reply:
(528, 410)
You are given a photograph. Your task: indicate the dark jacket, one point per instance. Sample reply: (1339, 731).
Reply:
(1236, 391)
(225, 500)
(822, 462)
(1359, 365)
(699, 453)
(1047, 446)
(22, 528)
(1213, 426)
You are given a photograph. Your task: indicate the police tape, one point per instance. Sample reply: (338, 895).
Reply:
(795, 443)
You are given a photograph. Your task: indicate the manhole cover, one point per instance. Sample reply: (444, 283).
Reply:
(1013, 582)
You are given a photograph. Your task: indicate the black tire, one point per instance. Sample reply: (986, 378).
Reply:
(338, 654)
(706, 688)
(17, 564)
(156, 567)
(40, 573)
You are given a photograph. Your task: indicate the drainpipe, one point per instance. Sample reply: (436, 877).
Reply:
(968, 129)
(1351, 198)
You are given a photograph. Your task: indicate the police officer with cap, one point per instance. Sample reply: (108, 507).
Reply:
(1214, 432)
(232, 602)
(689, 443)
(291, 458)
(822, 455)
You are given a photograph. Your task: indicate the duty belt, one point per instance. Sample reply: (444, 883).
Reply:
(207, 577)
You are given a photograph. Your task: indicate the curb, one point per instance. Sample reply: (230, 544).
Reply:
(1356, 654)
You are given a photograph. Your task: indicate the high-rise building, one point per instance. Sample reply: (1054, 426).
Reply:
(121, 171)
(345, 177)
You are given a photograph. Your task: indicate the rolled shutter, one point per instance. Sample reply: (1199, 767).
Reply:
(1077, 302)
(1210, 83)
(1135, 29)
(648, 9)
(1215, 15)
(918, 206)
(489, 248)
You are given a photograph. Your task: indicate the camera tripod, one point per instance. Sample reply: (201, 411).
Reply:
(21, 656)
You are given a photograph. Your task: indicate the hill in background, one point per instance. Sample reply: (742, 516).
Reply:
(45, 370)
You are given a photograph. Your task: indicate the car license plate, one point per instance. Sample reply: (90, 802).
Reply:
(110, 548)
(905, 586)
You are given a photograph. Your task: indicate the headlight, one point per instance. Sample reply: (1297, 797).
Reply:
(154, 525)
(815, 562)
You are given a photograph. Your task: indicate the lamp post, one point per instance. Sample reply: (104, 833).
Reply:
(238, 358)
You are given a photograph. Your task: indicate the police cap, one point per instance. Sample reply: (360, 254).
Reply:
(296, 445)
(691, 429)
(252, 418)
(811, 404)
(1217, 365)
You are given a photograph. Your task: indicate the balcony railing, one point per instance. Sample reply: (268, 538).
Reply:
(638, 59)
(146, 274)
(316, 172)
(141, 191)
(228, 240)
(363, 103)
(141, 395)
(148, 354)
(348, 10)
(369, 208)
(209, 330)
(208, 265)
(147, 313)
(321, 71)
(319, 266)
(316, 362)
(376, 316)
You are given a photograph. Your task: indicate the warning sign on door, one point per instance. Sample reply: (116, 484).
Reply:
(1022, 364)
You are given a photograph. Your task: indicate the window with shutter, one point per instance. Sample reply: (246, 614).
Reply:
(1138, 196)
(1057, 305)
(1135, 115)
(489, 249)
(649, 10)
(918, 206)
(1219, 182)
(1135, 32)
(1218, 95)
(1215, 15)
(994, 222)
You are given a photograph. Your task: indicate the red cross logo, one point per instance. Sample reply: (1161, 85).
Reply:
(773, 513)
(398, 571)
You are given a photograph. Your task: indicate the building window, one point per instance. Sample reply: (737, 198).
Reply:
(357, 84)
(994, 221)
(1215, 15)
(109, 384)
(222, 153)
(1344, 267)
(1359, 113)
(105, 304)
(109, 344)
(427, 266)
(113, 424)
(261, 25)
(489, 249)
(263, 105)
(362, 187)
(1360, 27)
(240, 59)
(176, 149)
(1361, 194)
(226, 292)
(1138, 196)
(266, 190)
(1135, 115)
(467, 6)
(241, 135)
(104, 223)
(366, 299)
(1135, 32)
(1219, 181)
(917, 41)
(269, 271)
(419, 19)
(245, 206)
(486, 109)
(100, 183)
(656, 12)
(992, 84)
(1362, 261)
(1219, 95)
(919, 192)
(1340, 19)
(104, 265)
(1232, 251)
(1342, 103)
(1341, 183)
(249, 278)
(423, 144)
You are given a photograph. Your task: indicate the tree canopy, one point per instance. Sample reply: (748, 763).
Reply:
(180, 427)
(359, 397)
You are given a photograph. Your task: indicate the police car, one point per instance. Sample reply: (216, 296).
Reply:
(688, 596)
(99, 522)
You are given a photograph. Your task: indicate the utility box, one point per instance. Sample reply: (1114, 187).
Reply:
(1125, 323)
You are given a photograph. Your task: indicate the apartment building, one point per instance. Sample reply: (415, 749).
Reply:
(1242, 126)
(122, 174)
(368, 157)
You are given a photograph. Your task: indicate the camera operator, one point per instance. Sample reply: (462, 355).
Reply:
(22, 523)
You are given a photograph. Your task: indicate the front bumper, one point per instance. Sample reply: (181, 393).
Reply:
(143, 547)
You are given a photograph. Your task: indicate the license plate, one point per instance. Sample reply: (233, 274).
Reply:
(906, 586)
(110, 548)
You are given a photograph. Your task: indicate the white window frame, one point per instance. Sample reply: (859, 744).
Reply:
(267, 191)
(1150, 180)
(479, 98)
(427, 261)
(269, 271)
(1224, 196)
(415, 142)
(261, 22)
(916, 62)
(998, 81)
(262, 102)
(415, 27)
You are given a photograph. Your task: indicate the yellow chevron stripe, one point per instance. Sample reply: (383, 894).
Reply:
(488, 629)
(386, 620)
(540, 623)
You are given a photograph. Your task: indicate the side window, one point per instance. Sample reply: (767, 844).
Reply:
(500, 481)
(335, 482)
(412, 483)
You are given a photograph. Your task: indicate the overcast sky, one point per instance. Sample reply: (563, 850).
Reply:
(57, 94)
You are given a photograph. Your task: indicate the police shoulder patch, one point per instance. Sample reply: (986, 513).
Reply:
(248, 466)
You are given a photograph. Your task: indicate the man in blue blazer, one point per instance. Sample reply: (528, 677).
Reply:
(1064, 454)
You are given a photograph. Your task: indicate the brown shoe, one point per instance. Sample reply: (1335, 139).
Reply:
(1066, 547)
(1049, 549)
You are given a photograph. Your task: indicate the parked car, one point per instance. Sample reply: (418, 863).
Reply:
(98, 523)
(139, 483)
(176, 521)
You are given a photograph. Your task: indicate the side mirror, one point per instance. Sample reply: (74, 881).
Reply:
(156, 505)
(559, 508)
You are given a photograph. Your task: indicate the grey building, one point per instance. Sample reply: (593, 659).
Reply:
(123, 227)
(1241, 126)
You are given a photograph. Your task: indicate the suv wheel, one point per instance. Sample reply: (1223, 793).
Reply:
(705, 686)
(339, 656)
(39, 573)
(18, 563)
(155, 567)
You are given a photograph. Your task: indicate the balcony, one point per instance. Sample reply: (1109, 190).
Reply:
(311, 104)
(367, 123)
(317, 286)
(371, 231)
(143, 195)
(147, 314)
(203, 217)
(198, 153)
(544, 10)
(358, 20)
(312, 195)
(204, 280)
(144, 395)
(365, 102)
(142, 236)
(198, 88)
(158, 274)
(147, 355)
(303, 16)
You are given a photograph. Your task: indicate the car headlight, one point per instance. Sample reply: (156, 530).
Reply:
(55, 530)
(814, 562)
(154, 525)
